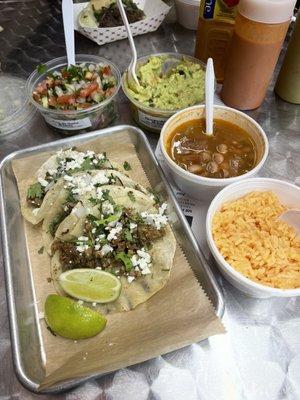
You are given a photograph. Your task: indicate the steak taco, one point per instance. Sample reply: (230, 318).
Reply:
(72, 189)
(37, 194)
(121, 232)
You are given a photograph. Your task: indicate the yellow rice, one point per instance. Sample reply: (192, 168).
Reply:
(252, 240)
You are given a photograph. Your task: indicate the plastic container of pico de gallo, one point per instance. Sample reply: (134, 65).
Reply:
(72, 122)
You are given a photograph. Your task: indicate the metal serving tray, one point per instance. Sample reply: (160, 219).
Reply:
(24, 322)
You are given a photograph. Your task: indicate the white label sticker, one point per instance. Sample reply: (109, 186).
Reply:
(69, 124)
(151, 121)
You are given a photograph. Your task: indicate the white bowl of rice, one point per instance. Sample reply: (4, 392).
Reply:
(256, 252)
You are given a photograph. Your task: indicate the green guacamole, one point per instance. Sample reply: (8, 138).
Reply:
(181, 87)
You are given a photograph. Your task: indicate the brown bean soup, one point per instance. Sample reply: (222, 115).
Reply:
(229, 152)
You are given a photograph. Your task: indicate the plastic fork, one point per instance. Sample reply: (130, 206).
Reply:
(132, 66)
(68, 21)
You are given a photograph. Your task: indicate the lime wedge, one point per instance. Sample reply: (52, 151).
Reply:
(72, 320)
(93, 285)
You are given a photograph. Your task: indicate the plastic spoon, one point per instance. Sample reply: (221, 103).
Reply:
(68, 21)
(209, 96)
(132, 66)
(292, 217)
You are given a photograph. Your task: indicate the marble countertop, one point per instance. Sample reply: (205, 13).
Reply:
(259, 356)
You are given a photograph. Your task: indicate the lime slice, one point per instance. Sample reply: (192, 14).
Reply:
(72, 320)
(91, 285)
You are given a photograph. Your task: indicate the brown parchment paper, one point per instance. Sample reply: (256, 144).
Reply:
(176, 316)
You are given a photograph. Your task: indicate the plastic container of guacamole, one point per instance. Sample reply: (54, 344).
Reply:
(169, 82)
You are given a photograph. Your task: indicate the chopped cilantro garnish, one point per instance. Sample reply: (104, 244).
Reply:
(131, 196)
(107, 196)
(55, 222)
(154, 194)
(127, 235)
(41, 250)
(110, 218)
(87, 164)
(125, 260)
(70, 198)
(93, 201)
(127, 166)
(35, 191)
(41, 68)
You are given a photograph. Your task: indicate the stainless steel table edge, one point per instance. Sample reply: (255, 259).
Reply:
(69, 142)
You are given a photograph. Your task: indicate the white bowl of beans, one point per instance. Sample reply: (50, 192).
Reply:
(202, 165)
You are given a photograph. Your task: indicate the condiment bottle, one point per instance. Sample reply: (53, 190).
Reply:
(288, 82)
(259, 31)
(215, 28)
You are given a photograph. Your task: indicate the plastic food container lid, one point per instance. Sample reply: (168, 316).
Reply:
(267, 11)
(190, 2)
(15, 109)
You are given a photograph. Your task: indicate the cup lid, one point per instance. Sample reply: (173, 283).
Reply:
(15, 109)
(190, 2)
(267, 11)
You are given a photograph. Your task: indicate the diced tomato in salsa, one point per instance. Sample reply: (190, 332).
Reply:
(75, 87)
(52, 101)
(88, 90)
(66, 99)
(106, 70)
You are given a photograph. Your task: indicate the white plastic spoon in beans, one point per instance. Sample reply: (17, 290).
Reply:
(209, 96)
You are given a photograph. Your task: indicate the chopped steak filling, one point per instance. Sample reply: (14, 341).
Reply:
(115, 255)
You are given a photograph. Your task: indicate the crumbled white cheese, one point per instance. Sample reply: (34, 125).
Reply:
(176, 144)
(142, 262)
(100, 179)
(80, 302)
(82, 247)
(94, 304)
(163, 208)
(94, 230)
(43, 182)
(107, 208)
(130, 279)
(106, 249)
(99, 193)
(68, 178)
(83, 238)
(113, 233)
(143, 254)
(97, 247)
(81, 184)
(157, 220)
(132, 226)
(35, 211)
(90, 153)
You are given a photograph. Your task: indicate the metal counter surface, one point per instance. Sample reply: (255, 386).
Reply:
(259, 357)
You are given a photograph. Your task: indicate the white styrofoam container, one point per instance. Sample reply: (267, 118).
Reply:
(188, 13)
(199, 187)
(155, 11)
(288, 194)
